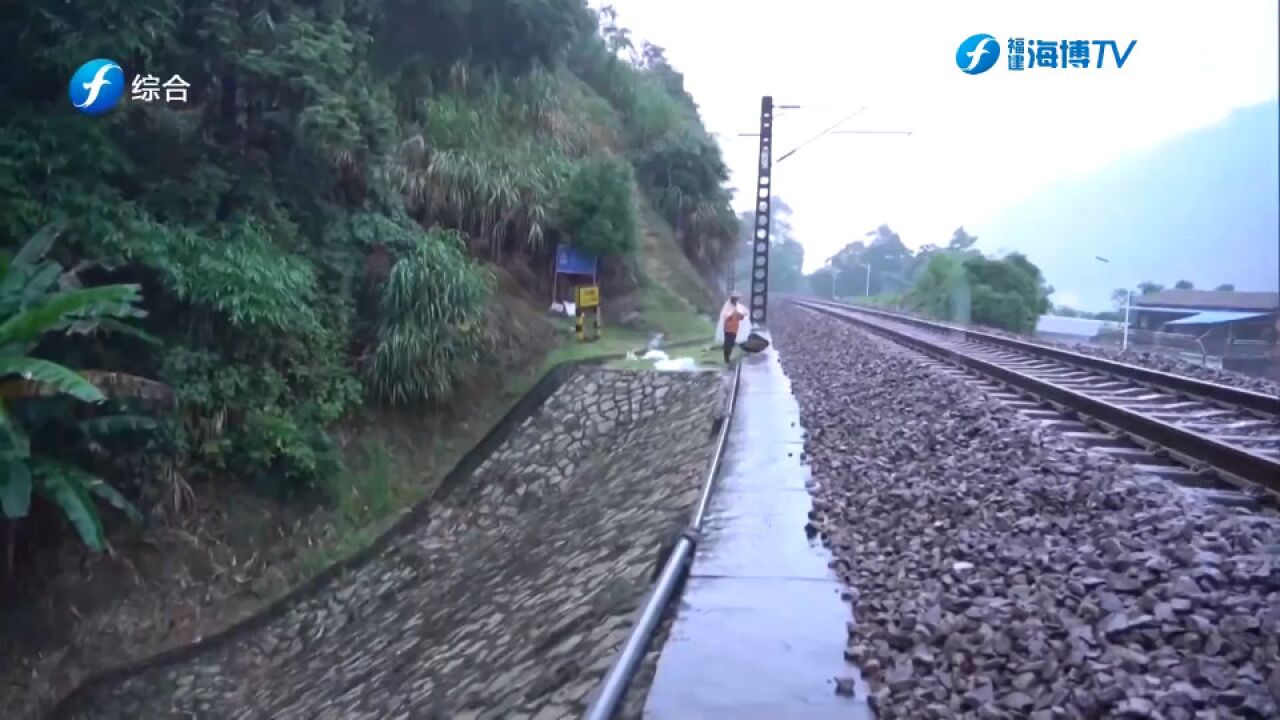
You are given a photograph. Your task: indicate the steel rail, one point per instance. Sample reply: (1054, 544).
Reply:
(1231, 459)
(613, 688)
(1238, 397)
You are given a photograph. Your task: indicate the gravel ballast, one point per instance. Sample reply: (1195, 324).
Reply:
(998, 571)
(1142, 358)
(1177, 366)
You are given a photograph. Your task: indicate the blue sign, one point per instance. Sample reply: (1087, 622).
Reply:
(572, 261)
(978, 54)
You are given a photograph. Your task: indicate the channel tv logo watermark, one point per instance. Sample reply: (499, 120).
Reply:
(979, 53)
(98, 85)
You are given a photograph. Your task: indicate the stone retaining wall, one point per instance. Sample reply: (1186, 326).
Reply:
(510, 601)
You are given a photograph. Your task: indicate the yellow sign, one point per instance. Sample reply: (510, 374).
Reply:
(588, 296)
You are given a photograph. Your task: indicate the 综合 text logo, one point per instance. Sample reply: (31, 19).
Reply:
(99, 84)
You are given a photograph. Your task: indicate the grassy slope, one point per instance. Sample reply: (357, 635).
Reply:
(665, 263)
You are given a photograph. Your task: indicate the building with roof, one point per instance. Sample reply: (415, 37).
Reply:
(1239, 327)
(1072, 329)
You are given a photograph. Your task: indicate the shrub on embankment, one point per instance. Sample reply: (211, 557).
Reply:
(309, 229)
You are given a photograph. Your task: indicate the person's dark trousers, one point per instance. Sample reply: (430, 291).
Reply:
(729, 340)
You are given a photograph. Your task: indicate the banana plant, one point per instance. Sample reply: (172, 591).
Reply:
(38, 298)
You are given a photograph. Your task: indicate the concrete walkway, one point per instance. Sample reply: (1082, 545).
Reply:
(760, 631)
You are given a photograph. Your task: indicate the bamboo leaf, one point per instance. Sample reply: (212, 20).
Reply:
(108, 494)
(52, 375)
(67, 488)
(43, 278)
(13, 440)
(39, 244)
(106, 300)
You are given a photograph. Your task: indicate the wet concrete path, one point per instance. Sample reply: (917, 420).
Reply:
(761, 624)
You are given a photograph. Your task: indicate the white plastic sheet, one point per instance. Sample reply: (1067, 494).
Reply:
(744, 325)
(665, 363)
(682, 364)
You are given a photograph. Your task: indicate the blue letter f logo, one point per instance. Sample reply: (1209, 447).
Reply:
(977, 54)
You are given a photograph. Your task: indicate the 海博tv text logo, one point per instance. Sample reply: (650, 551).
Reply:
(979, 53)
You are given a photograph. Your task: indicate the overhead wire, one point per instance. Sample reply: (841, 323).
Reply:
(844, 120)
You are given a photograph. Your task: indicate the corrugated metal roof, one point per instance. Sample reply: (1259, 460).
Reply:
(1214, 318)
(1153, 308)
(1210, 300)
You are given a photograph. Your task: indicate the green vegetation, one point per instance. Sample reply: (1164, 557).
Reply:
(312, 232)
(46, 446)
(664, 264)
(429, 318)
(664, 312)
(678, 164)
(955, 282)
(892, 301)
(596, 207)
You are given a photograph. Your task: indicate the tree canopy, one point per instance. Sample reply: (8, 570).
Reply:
(951, 282)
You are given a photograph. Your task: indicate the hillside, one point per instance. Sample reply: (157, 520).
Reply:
(255, 325)
(1203, 207)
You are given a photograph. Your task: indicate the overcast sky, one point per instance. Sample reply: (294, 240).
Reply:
(980, 143)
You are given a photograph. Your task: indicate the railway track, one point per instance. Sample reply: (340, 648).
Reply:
(1222, 441)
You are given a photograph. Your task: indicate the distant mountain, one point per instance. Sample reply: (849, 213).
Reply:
(1203, 207)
